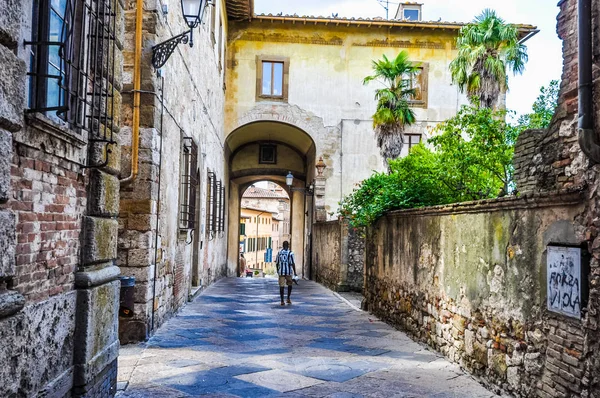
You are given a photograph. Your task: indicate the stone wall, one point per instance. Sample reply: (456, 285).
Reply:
(185, 99)
(470, 281)
(58, 295)
(338, 256)
(326, 261)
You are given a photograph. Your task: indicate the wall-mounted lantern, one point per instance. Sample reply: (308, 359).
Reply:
(192, 11)
(289, 181)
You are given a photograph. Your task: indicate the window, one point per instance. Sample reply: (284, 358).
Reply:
(72, 64)
(272, 82)
(242, 229)
(272, 78)
(268, 154)
(412, 140)
(215, 203)
(188, 184)
(419, 82)
(411, 14)
(409, 11)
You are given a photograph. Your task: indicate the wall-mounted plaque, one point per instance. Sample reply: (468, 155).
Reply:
(564, 280)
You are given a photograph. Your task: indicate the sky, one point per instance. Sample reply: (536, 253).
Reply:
(545, 49)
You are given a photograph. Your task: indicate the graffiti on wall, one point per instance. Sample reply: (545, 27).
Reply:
(564, 280)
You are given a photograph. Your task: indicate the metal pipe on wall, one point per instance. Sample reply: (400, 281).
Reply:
(158, 203)
(137, 84)
(588, 140)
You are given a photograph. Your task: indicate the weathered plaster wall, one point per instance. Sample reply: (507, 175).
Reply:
(327, 66)
(469, 280)
(192, 106)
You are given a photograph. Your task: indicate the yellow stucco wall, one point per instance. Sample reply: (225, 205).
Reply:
(327, 64)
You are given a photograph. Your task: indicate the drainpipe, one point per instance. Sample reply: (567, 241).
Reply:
(137, 84)
(588, 141)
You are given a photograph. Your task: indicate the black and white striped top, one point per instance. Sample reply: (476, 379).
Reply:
(285, 260)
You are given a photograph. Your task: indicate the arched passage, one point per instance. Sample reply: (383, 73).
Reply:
(268, 151)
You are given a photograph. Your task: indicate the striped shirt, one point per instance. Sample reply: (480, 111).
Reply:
(285, 260)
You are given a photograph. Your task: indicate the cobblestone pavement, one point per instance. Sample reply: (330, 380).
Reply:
(236, 340)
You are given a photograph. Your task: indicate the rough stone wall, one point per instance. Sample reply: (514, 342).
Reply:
(58, 298)
(185, 100)
(356, 260)
(338, 256)
(326, 261)
(549, 160)
(559, 163)
(470, 281)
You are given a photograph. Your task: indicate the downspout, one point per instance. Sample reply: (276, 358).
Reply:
(137, 84)
(588, 141)
(159, 203)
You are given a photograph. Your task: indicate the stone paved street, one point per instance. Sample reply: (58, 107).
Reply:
(236, 340)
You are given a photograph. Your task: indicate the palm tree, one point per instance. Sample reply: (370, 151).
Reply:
(487, 47)
(393, 110)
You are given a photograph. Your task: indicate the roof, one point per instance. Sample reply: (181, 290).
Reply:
(264, 211)
(377, 22)
(255, 192)
(240, 10)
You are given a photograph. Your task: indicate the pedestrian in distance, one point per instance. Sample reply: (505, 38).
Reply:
(242, 265)
(286, 268)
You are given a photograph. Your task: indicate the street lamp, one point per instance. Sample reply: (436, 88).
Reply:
(193, 11)
(289, 181)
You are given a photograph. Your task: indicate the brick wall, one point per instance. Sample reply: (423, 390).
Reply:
(48, 198)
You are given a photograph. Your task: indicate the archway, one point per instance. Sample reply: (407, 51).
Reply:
(268, 151)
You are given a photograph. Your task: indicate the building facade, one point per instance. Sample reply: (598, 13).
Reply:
(265, 219)
(60, 128)
(111, 167)
(295, 95)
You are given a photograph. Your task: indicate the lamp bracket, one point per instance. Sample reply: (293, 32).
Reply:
(163, 51)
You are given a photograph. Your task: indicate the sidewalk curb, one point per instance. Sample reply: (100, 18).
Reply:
(355, 308)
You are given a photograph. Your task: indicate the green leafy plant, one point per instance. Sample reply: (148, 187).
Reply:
(470, 159)
(487, 47)
(393, 111)
(542, 110)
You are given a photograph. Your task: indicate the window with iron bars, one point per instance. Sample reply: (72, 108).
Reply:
(215, 216)
(189, 184)
(210, 199)
(72, 65)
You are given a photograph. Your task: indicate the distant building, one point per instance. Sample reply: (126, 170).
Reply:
(264, 224)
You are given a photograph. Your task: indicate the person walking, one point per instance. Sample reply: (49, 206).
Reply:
(242, 265)
(286, 264)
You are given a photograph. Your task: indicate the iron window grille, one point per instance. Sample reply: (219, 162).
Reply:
(218, 203)
(72, 69)
(222, 218)
(210, 199)
(189, 184)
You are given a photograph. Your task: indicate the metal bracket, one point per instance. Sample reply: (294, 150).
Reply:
(163, 51)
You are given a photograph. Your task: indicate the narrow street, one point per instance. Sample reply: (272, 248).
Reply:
(236, 340)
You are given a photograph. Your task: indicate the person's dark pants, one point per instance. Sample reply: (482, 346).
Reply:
(283, 280)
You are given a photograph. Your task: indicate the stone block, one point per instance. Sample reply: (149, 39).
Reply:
(11, 302)
(100, 236)
(12, 90)
(7, 244)
(109, 155)
(104, 196)
(5, 159)
(10, 22)
(96, 341)
(38, 345)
